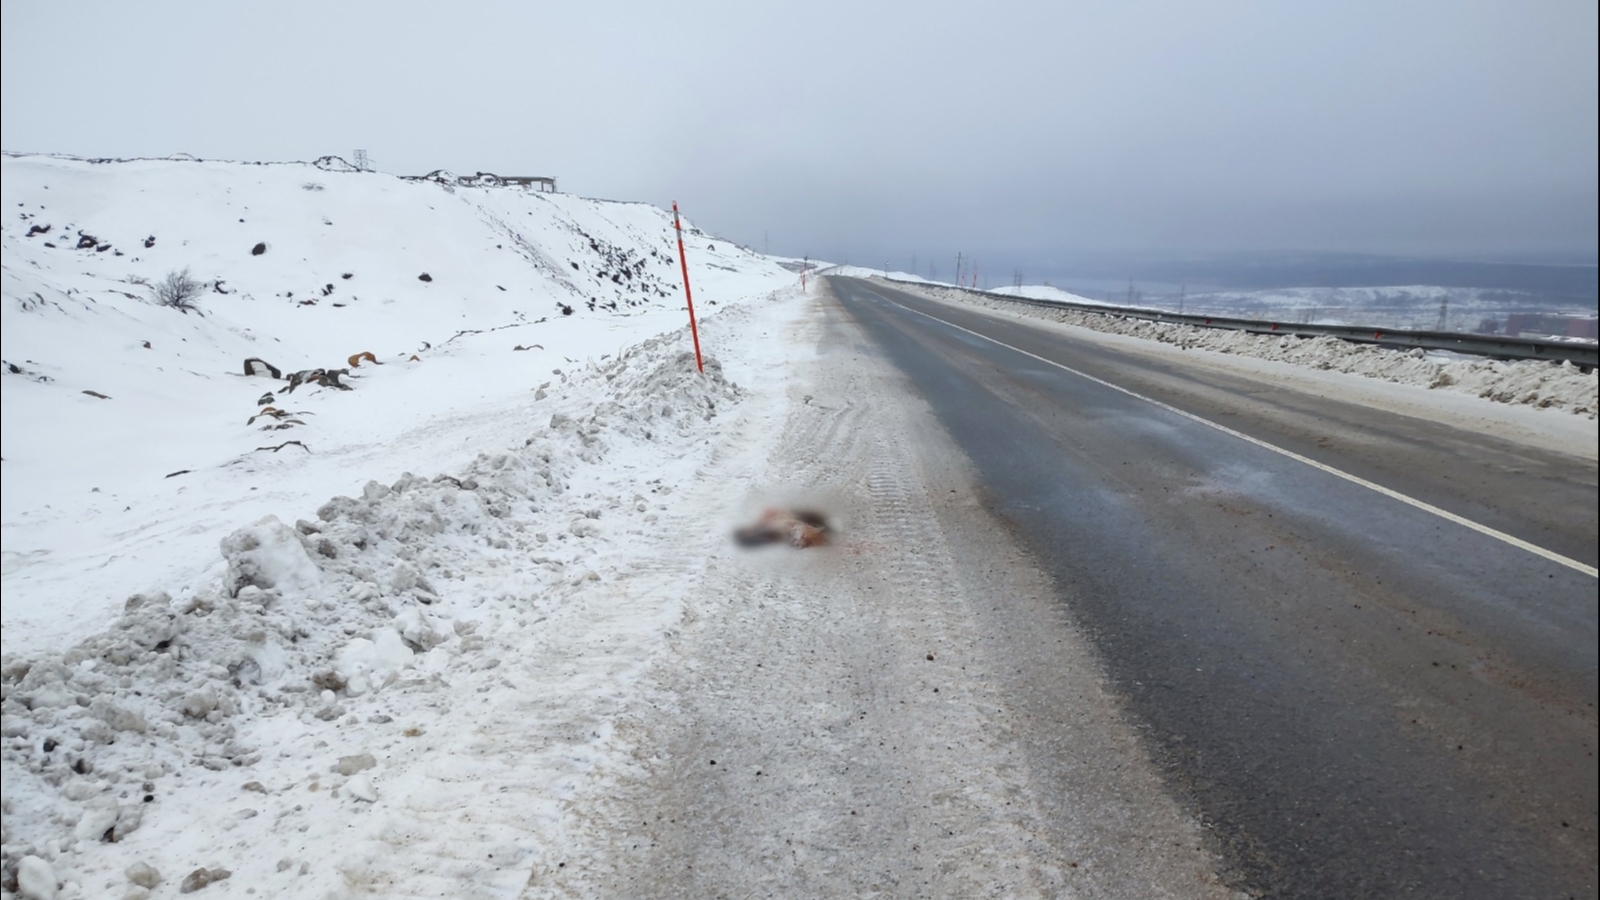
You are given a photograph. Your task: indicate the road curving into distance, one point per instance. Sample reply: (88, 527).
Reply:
(1362, 646)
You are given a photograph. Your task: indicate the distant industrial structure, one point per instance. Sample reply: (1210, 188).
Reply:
(543, 183)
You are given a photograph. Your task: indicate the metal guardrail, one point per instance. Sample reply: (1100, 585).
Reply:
(1585, 356)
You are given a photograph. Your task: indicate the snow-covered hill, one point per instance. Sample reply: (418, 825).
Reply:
(303, 266)
(194, 687)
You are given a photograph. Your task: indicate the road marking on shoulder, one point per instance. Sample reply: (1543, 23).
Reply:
(1391, 493)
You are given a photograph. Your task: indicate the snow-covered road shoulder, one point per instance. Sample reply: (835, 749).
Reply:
(402, 694)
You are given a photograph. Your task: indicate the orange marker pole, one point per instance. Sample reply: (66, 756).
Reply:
(684, 262)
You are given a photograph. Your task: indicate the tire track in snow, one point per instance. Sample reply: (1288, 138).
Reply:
(812, 747)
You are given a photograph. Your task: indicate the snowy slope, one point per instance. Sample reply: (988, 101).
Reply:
(380, 661)
(87, 496)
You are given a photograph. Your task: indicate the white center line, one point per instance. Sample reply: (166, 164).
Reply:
(1445, 514)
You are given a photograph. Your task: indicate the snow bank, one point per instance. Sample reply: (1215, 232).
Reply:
(1543, 385)
(317, 636)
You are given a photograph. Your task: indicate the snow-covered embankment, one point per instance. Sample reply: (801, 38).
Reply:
(329, 703)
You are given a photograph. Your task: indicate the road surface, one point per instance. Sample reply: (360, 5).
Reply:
(1356, 696)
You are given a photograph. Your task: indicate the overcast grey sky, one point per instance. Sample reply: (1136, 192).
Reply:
(867, 130)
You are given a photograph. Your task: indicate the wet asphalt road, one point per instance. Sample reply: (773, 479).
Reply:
(1356, 697)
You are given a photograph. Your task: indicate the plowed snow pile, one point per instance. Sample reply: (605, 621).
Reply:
(1546, 385)
(335, 704)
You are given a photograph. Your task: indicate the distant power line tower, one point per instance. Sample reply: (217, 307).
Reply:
(1016, 279)
(362, 163)
(1444, 311)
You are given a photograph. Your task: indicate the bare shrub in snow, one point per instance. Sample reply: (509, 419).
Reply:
(179, 290)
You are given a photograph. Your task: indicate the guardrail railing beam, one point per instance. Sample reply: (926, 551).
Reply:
(1497, 346)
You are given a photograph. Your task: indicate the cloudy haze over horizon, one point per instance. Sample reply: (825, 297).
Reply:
(846, 130)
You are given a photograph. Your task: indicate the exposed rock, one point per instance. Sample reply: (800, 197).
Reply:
(257, 366)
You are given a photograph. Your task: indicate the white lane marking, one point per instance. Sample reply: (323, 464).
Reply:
(1391, 493)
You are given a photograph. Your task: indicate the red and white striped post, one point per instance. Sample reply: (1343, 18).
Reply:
(683, 261)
